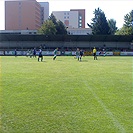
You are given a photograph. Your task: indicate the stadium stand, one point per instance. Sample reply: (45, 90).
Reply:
(66, 42)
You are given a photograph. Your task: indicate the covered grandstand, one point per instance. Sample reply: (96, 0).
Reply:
(66, 42)
(88, 38)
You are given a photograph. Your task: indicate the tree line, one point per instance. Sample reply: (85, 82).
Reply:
(99, 25)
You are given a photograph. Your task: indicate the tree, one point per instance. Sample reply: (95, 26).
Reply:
(61, 29)
(53, 19)
(124, 31)
(99, 25)
(112, 25)
(127, 28)
(48, 28)
(53, 27)
(128, 18)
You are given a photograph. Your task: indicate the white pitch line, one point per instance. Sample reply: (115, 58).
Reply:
(110, 114)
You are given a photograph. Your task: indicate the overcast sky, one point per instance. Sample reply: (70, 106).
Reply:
(115, 9)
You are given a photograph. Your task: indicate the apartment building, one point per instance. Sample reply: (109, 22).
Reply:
(75, 18)
(81, 17)
(24, 14)
(44, 11)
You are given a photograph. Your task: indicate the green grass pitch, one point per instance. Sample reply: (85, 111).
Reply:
(66, 96)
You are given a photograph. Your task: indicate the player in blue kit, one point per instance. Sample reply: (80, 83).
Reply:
(81, 54)
(40, 55)
(34, 52)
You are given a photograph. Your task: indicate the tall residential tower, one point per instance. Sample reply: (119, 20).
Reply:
(44, 11)
(23, 15)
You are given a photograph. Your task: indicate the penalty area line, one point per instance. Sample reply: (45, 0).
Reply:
(110, 114)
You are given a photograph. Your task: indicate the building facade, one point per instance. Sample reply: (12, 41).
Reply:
(24, 15)
(75, 18)
(79, 31)
(81, 17)
(44, 11)
(67, 17)
(24, 32)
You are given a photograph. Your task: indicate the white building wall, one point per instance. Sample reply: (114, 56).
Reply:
(71, 16)
(59, 15)
(18, 31)
(45, 5)
(74, 19)
(79, 31)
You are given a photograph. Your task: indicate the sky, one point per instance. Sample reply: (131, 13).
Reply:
(113, 9)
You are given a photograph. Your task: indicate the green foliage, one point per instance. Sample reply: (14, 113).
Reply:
(61, 29)
(124, 31)
(53, 19)
(99, 25)
(112, 25)
(128, 18)
(66, 96)
(48, 28)
(127, 28)
(52, 27)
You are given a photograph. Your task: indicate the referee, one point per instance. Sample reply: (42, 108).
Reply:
(94, 53)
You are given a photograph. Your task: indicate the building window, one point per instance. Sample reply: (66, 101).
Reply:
(64, 13)
(19, 6)
(80, 21)
(80, 17)
(66, 22)
(68, 17)
(68, 13)
(64, 17)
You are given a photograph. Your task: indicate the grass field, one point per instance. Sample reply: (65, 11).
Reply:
(66, 96)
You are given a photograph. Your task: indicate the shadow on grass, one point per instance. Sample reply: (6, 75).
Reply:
(83, 61)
